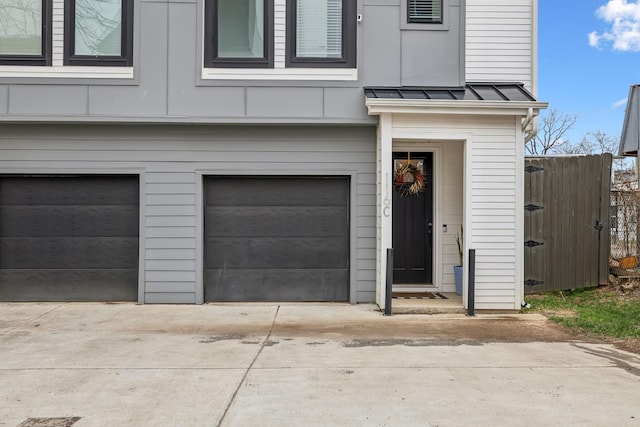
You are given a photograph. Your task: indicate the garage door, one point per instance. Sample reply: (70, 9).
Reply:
(69, 238)
(277, 239)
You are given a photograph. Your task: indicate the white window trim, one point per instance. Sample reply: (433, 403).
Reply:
(279, 72)
(28, 71)
(334, 74)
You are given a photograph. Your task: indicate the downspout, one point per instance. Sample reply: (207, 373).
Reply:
(530, 120)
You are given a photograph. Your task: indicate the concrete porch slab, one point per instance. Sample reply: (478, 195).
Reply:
(453, 304)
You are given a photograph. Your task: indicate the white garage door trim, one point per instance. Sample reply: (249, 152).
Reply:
(353, 197)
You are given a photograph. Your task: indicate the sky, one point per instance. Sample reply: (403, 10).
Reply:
(588, 56)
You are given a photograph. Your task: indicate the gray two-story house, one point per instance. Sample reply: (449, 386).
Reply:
(190, 151)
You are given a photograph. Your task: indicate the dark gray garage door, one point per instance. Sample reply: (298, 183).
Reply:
(69, 238)
(277, 239)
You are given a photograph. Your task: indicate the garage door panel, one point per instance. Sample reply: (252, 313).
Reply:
(54, 190)
(81, 252)
(276, 239)
(69, 238)
(330, 252)
(71, 221)
(256, 285)
(284, 221)
(68, 285)
(277, 191)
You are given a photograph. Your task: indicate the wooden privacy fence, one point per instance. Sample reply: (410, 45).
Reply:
(566, 226)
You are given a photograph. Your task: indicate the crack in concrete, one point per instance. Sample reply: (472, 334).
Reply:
(49, 422)
(267, 342)
(26, 322)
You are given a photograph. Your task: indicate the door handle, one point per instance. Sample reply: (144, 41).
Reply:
(429, 228)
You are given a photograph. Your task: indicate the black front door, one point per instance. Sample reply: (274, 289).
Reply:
(413, 224)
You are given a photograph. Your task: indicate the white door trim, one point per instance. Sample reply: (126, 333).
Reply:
(424, 146)
(397, 139)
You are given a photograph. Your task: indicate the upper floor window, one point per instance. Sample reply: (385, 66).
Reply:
(98, 32)
(425, 11)
(239, 33)
(24, 32)
(321, 33)
(294, 33)
(90, 32)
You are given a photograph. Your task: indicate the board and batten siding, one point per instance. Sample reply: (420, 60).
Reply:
(493, 221)
(501, 41)
(172, 159)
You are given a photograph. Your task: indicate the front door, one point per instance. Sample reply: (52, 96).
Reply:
(413, 221)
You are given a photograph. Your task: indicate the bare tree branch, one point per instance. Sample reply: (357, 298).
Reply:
(19, 18)
(553, 128)
(596, 142)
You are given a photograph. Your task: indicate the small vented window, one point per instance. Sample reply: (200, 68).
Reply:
(425, 11)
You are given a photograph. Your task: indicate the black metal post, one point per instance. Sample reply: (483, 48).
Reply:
(389, 284)
(471, 289)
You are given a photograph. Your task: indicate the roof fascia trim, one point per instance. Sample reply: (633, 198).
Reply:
(378, 106)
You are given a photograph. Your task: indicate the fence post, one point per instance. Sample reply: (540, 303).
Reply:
(389, 284)
(471, 289)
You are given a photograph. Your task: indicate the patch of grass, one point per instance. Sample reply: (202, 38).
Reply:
(601, 311)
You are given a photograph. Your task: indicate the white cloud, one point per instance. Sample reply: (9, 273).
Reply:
(623, 18)
(594, 39)
(619, 104)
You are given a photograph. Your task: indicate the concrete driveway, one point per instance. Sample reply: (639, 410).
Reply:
(302, 365)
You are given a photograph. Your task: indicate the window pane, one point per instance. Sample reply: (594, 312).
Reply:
(319, 29)
(21, 27)
(98, 27)
(425, 10)
(240, 28)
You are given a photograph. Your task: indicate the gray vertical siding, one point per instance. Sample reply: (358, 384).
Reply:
(149, 97)
(172, 159)
(4, 99)
(382, 54)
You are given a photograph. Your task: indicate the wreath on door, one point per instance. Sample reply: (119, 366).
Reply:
(408, 178)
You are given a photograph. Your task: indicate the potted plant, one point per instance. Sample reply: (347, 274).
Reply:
(457, 269)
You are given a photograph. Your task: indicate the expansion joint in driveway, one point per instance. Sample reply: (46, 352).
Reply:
(244, 377)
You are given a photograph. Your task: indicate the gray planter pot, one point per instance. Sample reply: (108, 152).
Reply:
(457, 275)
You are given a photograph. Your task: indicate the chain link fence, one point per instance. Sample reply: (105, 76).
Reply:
(625, 228)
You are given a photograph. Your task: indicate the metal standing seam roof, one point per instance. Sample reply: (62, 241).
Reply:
(469, 92)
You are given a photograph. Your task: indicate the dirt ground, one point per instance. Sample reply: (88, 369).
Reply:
(437, 330)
